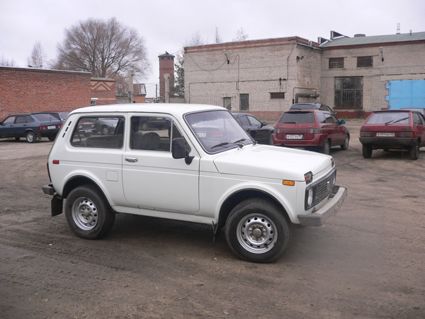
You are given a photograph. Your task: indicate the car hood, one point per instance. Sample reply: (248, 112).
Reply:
(272, 162)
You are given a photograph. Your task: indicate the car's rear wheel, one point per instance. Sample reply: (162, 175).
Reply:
(257, 231)
(51, 138)
(414, 152)
(346, 142)
(326, 147)
(367, 151)
(30, 137)
(87, 212)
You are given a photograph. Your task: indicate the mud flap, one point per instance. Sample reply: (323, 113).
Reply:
(56, 205)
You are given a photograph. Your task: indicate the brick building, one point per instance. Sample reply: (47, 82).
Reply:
(33, 90)
(265, 77)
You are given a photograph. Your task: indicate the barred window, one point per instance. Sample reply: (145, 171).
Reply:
(336, 63)
(244, 102)
(277, 95)
(364, 61)
(349, 92)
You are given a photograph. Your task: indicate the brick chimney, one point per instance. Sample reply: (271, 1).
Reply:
(166, 71)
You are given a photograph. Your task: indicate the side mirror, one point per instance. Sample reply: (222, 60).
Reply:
(340, 122)
(179, 150)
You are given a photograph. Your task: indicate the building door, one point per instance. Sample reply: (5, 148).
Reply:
(406, 94)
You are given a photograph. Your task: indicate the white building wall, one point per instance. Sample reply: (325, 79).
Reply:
(400, 62)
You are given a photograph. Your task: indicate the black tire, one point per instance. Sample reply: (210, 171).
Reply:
(17, 139)
(326, 147)
(269, 230)
(367, 151)
(51, 138)
(414, 152)
(30, 137)
(346, 143)
(88, 213)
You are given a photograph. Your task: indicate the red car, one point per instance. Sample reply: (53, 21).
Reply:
(397, 129)
(311, 129)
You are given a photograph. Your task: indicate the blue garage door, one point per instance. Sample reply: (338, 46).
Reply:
(406, 93)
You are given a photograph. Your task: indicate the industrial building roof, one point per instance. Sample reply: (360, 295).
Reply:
(376, 39)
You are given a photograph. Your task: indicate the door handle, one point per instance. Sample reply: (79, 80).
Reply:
(131, 159)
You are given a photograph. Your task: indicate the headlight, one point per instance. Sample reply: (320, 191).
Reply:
(309, 197)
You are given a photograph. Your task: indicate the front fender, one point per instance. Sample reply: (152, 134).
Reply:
(269, 189)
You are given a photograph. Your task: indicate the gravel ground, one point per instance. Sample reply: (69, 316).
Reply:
(368, 261)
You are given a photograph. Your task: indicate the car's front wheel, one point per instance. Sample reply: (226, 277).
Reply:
(88, 213)
(257, 231)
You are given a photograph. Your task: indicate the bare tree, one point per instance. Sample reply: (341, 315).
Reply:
(240, 35)
(104, 48)
(37, 56)
(6, 62)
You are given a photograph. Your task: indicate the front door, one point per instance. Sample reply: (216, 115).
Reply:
(152, 178)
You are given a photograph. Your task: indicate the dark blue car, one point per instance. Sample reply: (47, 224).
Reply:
(30, 126)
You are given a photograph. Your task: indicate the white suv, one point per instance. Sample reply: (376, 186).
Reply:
(187, 162)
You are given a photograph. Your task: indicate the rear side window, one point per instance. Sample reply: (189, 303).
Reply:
(99, 132)
(389, 118)
(297, 117)
(44, 117)
(9, 120)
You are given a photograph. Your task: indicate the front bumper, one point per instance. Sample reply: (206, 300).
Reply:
(318, 217)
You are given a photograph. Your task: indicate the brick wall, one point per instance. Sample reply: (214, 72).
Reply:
(103, 90)
(32, 90)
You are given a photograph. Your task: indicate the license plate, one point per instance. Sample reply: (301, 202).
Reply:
(51, 127)
(385, 134)
(294, 136)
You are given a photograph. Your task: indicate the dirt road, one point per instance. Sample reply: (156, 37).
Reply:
(367, 262)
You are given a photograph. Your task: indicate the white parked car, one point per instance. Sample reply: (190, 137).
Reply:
(187, 162)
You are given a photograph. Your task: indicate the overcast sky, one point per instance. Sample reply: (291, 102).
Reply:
(166, 25)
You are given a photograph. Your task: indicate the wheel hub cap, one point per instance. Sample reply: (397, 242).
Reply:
(84, 213)
(256, 233)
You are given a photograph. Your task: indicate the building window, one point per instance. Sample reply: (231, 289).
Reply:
(349, 92)
(244, 102)
(364, 61)
(277, 95)
(336, 63)
(227, 103)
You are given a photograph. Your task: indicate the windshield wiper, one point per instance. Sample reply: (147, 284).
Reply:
(220, 144)
(396, 121)
(238, 142)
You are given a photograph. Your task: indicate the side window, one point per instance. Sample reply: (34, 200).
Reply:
(330, 119)
(151, 133)
(254, 121)
(20, 119)
(9, 120)
(99, 132)
(321, 117)
(243, 120)
(416, 119)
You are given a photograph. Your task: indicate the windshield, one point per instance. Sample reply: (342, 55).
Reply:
(297, 117)
(389, 118)
(217, 131)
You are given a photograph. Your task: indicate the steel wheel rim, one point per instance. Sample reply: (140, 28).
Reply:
(30, 137)
(256, 233)
(84, 213)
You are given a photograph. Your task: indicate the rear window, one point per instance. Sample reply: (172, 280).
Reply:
(297, 117)
(389, 118)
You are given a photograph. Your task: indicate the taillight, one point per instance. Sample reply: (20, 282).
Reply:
(43, 127)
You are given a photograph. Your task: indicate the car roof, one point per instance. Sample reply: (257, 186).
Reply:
(177, 109)
(317, 105)
(305, 111)
(393, 111)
